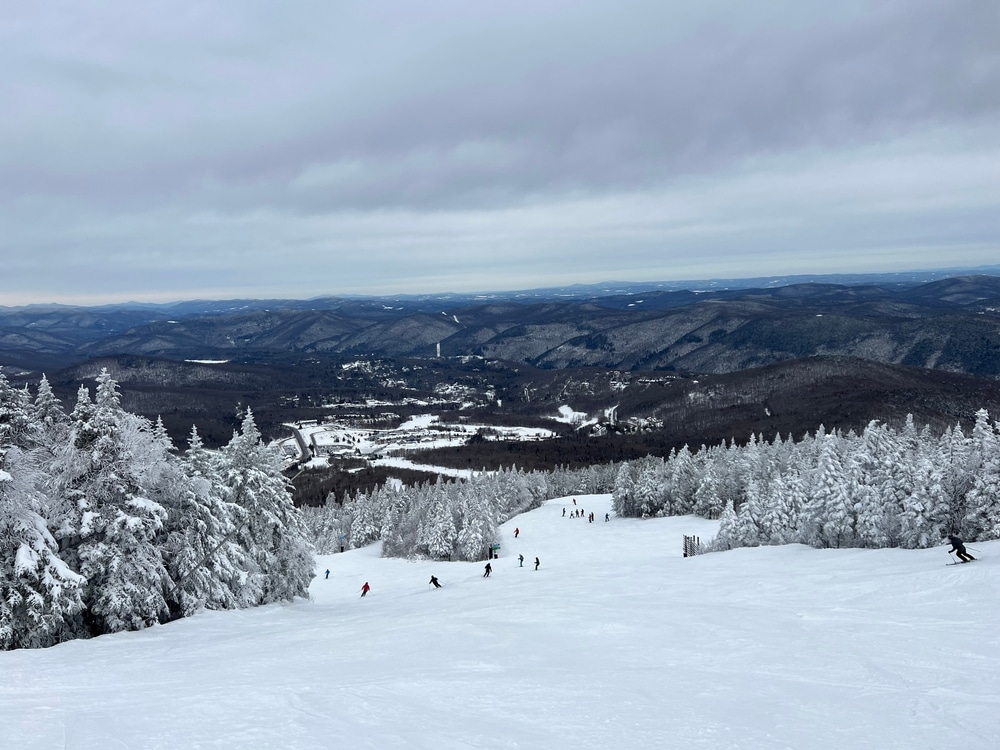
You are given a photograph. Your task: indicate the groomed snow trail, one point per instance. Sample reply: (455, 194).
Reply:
(616, 641)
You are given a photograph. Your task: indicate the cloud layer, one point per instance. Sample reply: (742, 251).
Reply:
(174, 150)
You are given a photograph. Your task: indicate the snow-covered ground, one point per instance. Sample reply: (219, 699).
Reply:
(420, 432)
(445, 471)
(615, 642)
(568, 415)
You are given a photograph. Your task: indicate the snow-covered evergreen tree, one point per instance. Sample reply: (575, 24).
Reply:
(708, 500)
(728, 536)
(982, 518)
(478, 530)
(16, 423)
(367, 513)
(684, 482)
(829, 512)
(781, 508)
(959, 466)
(623, 497)
(748, 530)
(38, 591)
(207, 565)
(49, 417)
(649, 484)
(438, 534)
(108, 525)
(272, 531)
(924, 519)
(870, 466)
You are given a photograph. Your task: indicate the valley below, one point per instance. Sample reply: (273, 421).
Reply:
(354, 389)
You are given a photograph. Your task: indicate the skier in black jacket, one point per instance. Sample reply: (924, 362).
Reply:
(957, 545)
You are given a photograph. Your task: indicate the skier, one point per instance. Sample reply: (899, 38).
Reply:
(434, 580)
(520, 560)
(516, 532)
(365, 589)
(564, 512)
(489, 569)
(537, 563)
(327, 572)
(957, 545)
(607, 517)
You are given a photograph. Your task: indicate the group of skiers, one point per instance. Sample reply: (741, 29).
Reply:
(578, 513)
(437, 584)
(957, 547)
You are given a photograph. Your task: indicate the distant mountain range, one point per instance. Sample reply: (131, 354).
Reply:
(657, 366)
(950, 324)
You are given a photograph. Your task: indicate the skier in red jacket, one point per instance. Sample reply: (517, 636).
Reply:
(365, 589)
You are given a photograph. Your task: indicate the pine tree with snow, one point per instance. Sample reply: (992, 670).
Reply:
(49, 417)
(782, 505)
(748, 530)
(402, 524)
(898, 478)
(870, 467)
(272, 531)
(728, 535)
(924, 519)
(16, 424)
(437, 535)
(684, 481)
(982, 519)
(38, 591)
(623, 497)
(959, 466)
(649, 486)
(512, 494)
(829, 514)
(477, 529)
(708, 497)
(207, 565)
(108, 526)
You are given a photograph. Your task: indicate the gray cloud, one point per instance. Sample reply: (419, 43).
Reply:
(166, 149)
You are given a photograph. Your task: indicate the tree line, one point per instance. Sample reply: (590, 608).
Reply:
(884, 487)
(446, 519)
(104, 528)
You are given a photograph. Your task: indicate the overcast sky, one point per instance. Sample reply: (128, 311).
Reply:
(171, 150)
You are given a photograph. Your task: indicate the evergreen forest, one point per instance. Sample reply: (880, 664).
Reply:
(103, 528)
